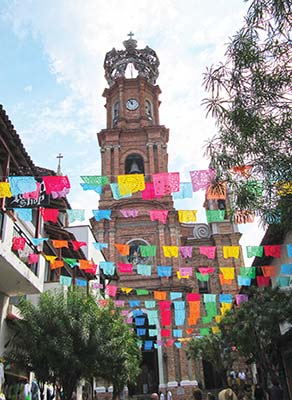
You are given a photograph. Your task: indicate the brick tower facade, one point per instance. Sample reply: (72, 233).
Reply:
(134, 142)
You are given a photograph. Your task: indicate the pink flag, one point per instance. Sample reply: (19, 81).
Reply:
(164, 304)
(158, 215)
(129, 213)
(186, 271)
(92, 269)
(273, 251)
(76, 245)
(119, 303)
(18, 243)
(96, 285)
(201, 179)
(186, 251)
(206, 270)
(125, 268)
(165, 317)
(263, 281)
(193, 297)
(165, 332)
(169, 342)
(148, 193)
(103, 302)
(33, 195)
(33, 258)
(56, 183)
(166, 183)
(50, 214)
(240, 298)
(208, 251)
(60, 193)
(111, 290)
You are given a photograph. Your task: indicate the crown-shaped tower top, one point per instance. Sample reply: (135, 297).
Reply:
(145, 61)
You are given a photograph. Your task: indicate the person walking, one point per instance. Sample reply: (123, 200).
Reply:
(227, 394)
(259, 393)
(197, 394)
(275, 392)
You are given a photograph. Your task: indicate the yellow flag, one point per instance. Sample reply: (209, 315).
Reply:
(231, 251)
(228, 272)
(215, 329)
(126, 290)
(187, 216)
(131, 183)
(5, 189)
(284, 188)
(179, 276)
(51, 259)
(218, 318)
(170, 251)
(225, 307)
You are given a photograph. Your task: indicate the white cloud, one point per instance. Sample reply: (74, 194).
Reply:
(28, 88)
(187, 35)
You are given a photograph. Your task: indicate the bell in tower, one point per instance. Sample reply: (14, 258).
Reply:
(134, 168)
(134, 164)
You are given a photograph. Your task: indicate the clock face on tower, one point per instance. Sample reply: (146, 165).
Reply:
(132, 104)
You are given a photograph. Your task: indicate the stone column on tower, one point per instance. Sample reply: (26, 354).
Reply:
(151, 158)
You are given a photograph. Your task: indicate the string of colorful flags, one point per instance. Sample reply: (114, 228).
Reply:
(159, 313)
(184, 216)
(226, 274)
(162, 185)
(167, 183)
(275, 251)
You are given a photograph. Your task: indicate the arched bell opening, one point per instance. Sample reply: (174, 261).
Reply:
(134, 164)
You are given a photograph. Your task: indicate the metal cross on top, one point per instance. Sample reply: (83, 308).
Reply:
(131, 34)
(59, 172)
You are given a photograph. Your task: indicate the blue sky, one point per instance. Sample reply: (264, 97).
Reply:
(52, 76)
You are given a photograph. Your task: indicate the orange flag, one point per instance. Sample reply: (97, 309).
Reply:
(84, 264)
(159, 295)
(56, 264)
(216, 191)
(224, 281)
(58, 244)
(123, 249)
(269, 270)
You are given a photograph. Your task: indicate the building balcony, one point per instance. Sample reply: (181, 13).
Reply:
(17, 277)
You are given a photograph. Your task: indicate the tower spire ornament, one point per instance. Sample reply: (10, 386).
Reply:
(59, 171)
(130, 34)
(145, 61)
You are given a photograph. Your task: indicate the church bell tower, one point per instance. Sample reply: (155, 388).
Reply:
(133, 143)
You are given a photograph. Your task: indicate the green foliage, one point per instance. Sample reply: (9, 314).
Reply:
(253, 327)
(120, 354)
(63, 339)
(250, 98)
(211, 348)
